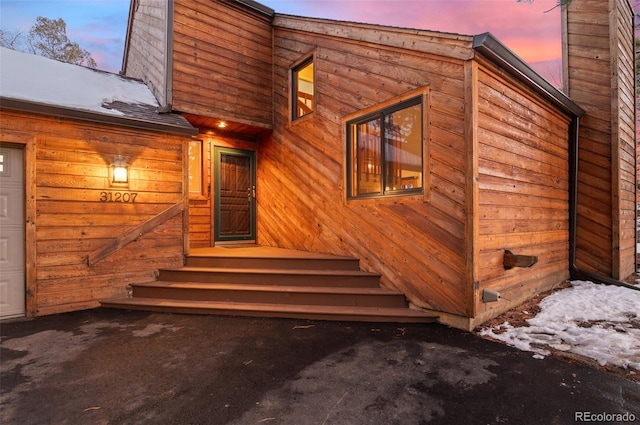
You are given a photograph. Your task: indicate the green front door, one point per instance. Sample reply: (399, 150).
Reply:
(235, 195)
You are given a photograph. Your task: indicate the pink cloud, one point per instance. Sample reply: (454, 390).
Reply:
(526, 28)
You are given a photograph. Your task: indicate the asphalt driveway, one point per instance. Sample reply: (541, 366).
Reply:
(117, 367)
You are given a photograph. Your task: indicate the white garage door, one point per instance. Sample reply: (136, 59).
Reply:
(12, 266)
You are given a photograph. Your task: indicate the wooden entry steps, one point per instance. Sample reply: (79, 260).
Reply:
(271, 282)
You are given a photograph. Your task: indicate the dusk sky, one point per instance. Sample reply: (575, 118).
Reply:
(530, 29)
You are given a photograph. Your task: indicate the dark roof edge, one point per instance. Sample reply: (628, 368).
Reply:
(489, 46)
(125, 50)
(96, 117)
(259, 7)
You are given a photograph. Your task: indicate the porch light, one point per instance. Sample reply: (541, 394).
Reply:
(120, 170)
(222, 124)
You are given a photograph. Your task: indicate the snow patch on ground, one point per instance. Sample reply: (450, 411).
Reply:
(596, 321)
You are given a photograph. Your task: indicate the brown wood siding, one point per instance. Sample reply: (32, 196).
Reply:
(416, 242)
(222, 61)
(523, 180)
(200, 234)
(589, 84)
(146, 50)
(600, 66)
(71, 172)
(623, 57)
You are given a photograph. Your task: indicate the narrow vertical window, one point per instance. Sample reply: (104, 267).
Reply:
(303, 89)
(195, 168)
(385, 151)
(367, 172)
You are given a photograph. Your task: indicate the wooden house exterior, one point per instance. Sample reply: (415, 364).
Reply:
(495, 160)
(86, 237)
(441, 161)
(492, 189)
(228, 43)
(72, 211)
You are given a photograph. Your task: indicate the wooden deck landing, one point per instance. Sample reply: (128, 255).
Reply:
(271, 282)
(257, 251)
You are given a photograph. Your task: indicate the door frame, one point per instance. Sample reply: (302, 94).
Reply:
(218, 152)
(19, 169)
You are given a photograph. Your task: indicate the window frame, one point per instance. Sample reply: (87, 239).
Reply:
(414, 97)
(5, 163)
(203, 193)
(309, 58)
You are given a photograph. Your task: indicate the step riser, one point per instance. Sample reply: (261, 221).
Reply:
(249, 296)
(275, 314)
(274, 263)
(358, 281)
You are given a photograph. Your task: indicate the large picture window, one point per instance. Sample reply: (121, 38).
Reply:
(385, 151)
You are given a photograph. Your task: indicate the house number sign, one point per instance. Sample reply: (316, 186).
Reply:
(118, 196)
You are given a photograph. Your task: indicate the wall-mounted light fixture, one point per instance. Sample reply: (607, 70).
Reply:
(120, 170)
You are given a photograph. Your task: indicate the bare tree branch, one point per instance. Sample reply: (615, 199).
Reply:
(48, 38)
(560, 3)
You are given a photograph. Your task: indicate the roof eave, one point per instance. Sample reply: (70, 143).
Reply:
(489, 46)
(127, 39)
(259, 7)
(95, 117)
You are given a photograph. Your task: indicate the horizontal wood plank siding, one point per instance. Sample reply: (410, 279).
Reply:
(523, 180)
(589, 84)
(417, 246)
(444, 45)
(624, 119)
(146, 51)
(222, 57)
(200, 223)
(600, 77)
(71, 176)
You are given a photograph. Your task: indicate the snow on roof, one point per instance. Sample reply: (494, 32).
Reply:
(38, 84)
(41, 80)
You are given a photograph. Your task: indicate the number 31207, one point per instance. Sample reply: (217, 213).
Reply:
(118, 196)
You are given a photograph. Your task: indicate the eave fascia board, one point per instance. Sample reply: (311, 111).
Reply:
(127, 40)
(259, 7)
(487, 45)
(95, 117)
(168, 58)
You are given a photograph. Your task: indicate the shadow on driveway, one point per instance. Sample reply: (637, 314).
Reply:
(123, 367)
